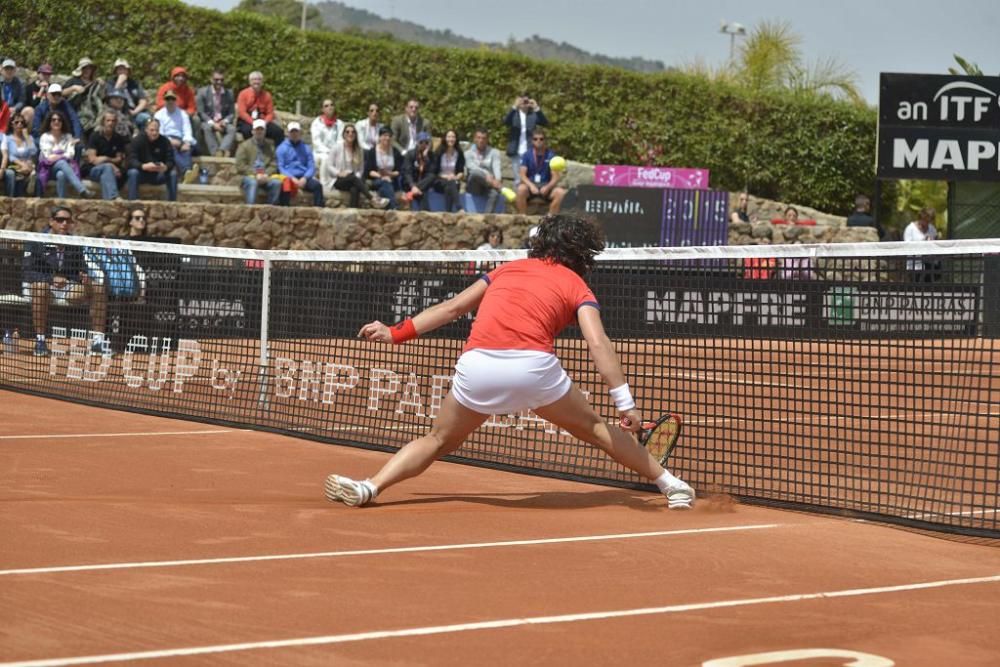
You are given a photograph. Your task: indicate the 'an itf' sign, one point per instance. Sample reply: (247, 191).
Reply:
(616, 175)
(939, 127)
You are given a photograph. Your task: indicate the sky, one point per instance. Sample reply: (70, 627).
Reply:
(867, 36)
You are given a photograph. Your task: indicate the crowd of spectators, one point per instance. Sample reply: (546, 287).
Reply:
(104, 136)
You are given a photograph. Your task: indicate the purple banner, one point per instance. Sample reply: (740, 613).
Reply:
(622, 176)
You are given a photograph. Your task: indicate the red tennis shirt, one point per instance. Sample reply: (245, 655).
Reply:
(528, 302)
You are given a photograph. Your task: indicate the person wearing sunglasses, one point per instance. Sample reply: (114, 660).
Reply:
(217, 111)
(326, 131)
(61, 273)
(342, 170)
(57, 151)
(537, 179)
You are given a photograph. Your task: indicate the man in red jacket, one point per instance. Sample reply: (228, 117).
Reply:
(254, 102)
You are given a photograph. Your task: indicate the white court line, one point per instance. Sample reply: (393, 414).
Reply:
(377, 552)
(493, 625)
(924, 515)
(118, 435)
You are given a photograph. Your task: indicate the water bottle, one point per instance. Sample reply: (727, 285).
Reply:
(203, 176)
(9, 347)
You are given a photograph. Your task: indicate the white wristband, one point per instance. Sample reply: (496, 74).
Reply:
(622, 398)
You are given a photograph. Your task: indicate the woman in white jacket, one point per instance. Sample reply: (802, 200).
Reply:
(325, 131)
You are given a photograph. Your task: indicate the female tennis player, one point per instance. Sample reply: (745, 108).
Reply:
(509, 363)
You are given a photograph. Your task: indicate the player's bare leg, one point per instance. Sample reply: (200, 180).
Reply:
(453, 425)
(573, 413)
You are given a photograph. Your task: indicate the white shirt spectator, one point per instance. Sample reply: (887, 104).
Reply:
(175, 125)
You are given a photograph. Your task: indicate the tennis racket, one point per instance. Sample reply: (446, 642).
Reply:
(660, 437)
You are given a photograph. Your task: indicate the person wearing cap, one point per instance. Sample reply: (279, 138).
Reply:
(35, 92)
(368, 127)
(296, 164)
(254, 102)
(83, 76)
(408, 125)
(55, 101)
(104, 161)
(175, 125)
(136, 99)
(257, 163)
(482, 164)
(11, 88)
(217, 113)
(185, 97)
(115, 102)
(326, 131)
(384, 165)
(151, 160)
(418, 172)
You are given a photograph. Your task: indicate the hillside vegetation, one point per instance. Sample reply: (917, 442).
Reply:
(802, 148)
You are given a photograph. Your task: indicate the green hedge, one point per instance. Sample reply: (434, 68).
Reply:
(810, 151)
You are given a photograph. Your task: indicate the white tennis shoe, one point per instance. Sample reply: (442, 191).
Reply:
(350, 492)
(680, 496)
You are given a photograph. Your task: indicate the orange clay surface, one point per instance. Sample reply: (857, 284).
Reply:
(460, 566)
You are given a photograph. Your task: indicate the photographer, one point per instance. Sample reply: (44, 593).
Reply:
(521, 120)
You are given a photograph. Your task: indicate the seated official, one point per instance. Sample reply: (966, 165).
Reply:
(538, 181)
(61, 273)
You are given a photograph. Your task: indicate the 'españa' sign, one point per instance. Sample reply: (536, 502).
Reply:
(939, 127)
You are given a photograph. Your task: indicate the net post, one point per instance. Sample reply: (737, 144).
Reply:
(265, 311)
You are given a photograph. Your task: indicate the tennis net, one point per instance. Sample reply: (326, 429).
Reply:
(855, 379)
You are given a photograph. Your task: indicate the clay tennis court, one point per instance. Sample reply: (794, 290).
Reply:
(130, 538)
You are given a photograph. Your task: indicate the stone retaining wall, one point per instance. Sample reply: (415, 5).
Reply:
(307, 228)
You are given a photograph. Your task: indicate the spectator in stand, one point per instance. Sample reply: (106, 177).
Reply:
(217, 111)
(175, 125)
(62, 273)
(794, 268)
(11, 89)
(418, 172)
(137, 221)
(326, 132)
(115, 102)
(151, 160)
(257, 163)
(521, 120)
(538, 181)
(492, 238)
(21, 152)
(254, 102)
(922, 269)
(185, 100)
(368, 128)
(740, 214)
(343, 170)
(136, 99)
(54, 101)
(408, 126)
(5, 116)
(83, 77)
(384, 165)
(36, 92)
(105, 157)
(862, 216)
(482, 164)
(296, 164)
(449, 165)
(57, 155)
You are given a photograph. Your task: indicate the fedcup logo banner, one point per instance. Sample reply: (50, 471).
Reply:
(624, 176)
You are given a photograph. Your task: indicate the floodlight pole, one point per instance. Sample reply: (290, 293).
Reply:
(734, 30)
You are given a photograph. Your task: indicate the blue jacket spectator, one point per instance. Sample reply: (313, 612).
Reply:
(54, 101)
(295, 162)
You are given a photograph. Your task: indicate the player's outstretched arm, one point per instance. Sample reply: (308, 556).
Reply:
(606, 359)
(437, 315)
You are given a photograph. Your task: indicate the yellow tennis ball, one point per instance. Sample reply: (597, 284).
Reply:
(558, 163)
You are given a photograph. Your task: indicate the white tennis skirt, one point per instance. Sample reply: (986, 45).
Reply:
(493, 382)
